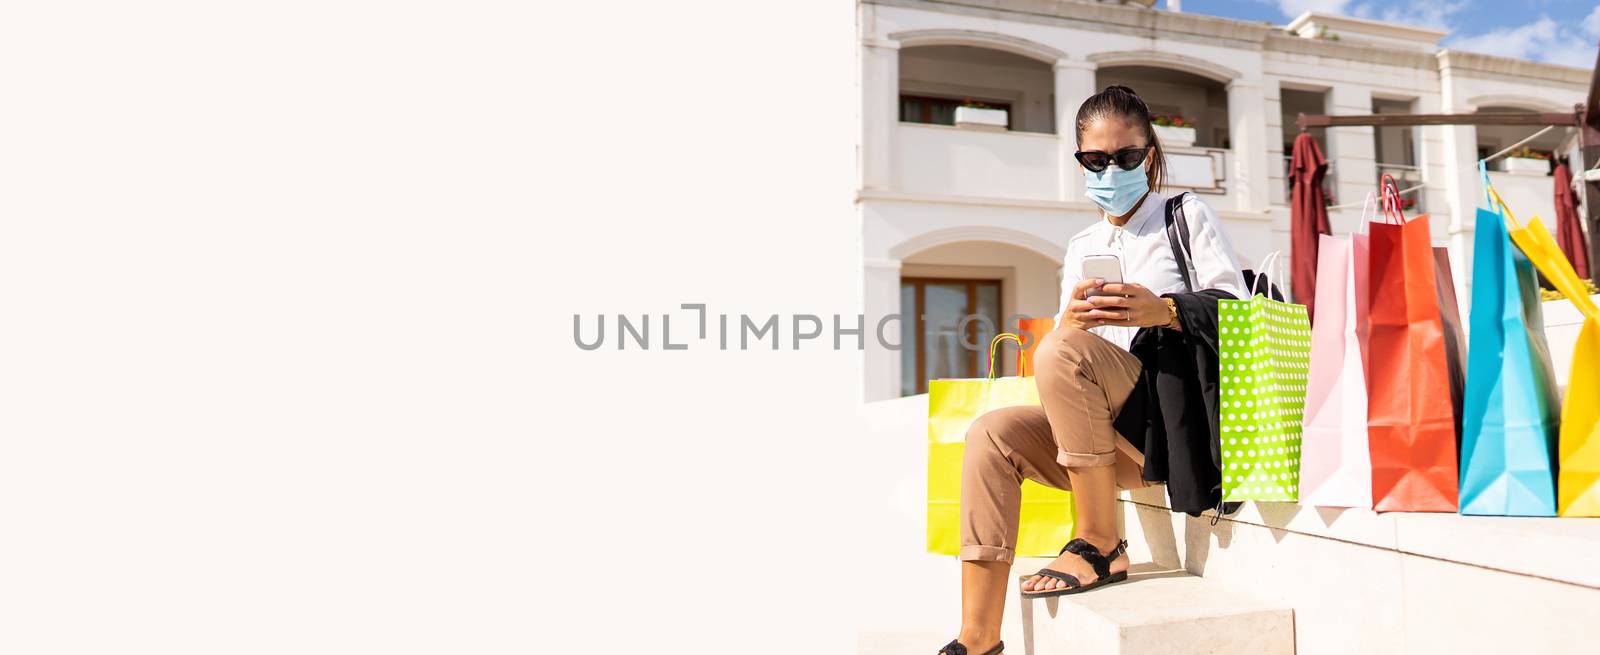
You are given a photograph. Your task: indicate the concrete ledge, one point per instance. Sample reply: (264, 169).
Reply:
(1153, 612)
(1396, 582)
(1556, 549)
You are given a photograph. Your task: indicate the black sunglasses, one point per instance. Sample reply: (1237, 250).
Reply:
(1127, 158)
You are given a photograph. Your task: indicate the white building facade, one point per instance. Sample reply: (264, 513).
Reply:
(965, 219)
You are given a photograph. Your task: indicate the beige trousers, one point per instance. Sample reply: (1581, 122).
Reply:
(1083, 381)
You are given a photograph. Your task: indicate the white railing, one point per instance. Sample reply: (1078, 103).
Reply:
(956, 161)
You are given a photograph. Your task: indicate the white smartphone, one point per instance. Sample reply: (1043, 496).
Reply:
(1106, 267)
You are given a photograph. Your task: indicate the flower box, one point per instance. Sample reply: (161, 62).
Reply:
(1527, 165)
(982, 117)
(1175, 136)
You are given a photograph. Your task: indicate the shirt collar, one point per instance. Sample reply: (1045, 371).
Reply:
(1154, 205)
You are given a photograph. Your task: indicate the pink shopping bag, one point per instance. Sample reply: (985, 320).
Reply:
(1335, 460)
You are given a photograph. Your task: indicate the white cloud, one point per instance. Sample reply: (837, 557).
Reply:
(1522, 42)
(1541, 40)
(1293, 8)
(1421, 13)
(1433, 15)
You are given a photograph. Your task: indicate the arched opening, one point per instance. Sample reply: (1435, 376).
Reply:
(1522, 177)
(1171, 94)
(956, 296)
(936, 81)
(1493, 138)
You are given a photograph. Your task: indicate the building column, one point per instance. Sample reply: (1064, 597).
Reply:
(1074, 84)
(880, 109)
(1352, 150)
(881, 297)
(1462, 186)
(1277, 171)
(1247, 133)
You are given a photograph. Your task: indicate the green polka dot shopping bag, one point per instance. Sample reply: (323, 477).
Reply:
(1264, 349)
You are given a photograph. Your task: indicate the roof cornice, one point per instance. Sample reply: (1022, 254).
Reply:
(1472, 64)
(1123, 19)
(1362, 52)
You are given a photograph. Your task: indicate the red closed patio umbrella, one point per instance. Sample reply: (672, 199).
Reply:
(1569, 234)
(1308, 217)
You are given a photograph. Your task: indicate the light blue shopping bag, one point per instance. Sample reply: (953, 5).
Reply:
(1508, 443)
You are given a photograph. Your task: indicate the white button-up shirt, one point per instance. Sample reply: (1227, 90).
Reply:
(1146, 255)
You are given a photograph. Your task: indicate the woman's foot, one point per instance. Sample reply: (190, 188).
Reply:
(974, 643)
(1071, 564)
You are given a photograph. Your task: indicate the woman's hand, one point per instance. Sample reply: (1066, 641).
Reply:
(1127, 304)
(1080, 312)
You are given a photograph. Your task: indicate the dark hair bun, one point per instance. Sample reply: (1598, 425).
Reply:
(1119, 87)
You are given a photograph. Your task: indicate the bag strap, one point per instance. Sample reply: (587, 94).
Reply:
(994, 345)
(1178, 236)
(1273, 259)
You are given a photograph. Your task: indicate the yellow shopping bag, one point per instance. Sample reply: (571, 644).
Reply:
(1578, 476)
(952, 407)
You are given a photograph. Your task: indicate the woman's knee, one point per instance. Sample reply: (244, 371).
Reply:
(987, 434)
(1063, 347)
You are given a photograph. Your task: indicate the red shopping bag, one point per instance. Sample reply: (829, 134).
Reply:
(1410, 418)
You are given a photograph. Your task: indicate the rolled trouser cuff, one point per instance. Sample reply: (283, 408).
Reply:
(1077, 460)
(976, 553)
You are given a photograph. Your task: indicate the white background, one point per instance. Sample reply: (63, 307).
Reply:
(286, 355)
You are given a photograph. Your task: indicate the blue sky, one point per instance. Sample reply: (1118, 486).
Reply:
(1557, 31)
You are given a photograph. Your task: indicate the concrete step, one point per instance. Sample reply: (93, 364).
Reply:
(1157, 611)
(1361, 581)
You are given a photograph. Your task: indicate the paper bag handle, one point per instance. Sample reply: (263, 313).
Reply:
(994, 346)
(1267, 264)
(1391, 200)
(1582, 302)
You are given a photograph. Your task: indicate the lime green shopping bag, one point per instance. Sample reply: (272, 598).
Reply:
(1264, 349)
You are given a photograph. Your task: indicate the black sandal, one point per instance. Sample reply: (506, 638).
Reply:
(957, 648)
(1090, 554)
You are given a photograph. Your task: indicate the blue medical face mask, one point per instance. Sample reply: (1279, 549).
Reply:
(1117, 190)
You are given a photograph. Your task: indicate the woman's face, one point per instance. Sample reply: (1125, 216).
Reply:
(1110, 134)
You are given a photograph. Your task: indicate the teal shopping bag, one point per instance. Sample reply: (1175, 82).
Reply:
(1264, 353)
(1508, 440)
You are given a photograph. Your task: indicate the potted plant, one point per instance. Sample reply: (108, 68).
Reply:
(1528, 161)
(971, 113)
(1174, 130)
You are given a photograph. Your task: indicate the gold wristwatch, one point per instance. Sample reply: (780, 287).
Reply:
(1172, 308)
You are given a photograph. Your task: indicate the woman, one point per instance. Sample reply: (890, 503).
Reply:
(1099, 373)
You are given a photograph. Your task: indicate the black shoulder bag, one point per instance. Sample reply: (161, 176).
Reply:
(1178, 236)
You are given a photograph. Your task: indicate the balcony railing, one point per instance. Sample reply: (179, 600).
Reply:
(942, 160)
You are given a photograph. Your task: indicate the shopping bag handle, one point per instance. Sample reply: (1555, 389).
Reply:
(1489, 196)
(994, 345)
(1500, 207)
(1369, 211)
(1492, 197)
(1581, 301)
(1267, 263)
(1391, 200)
